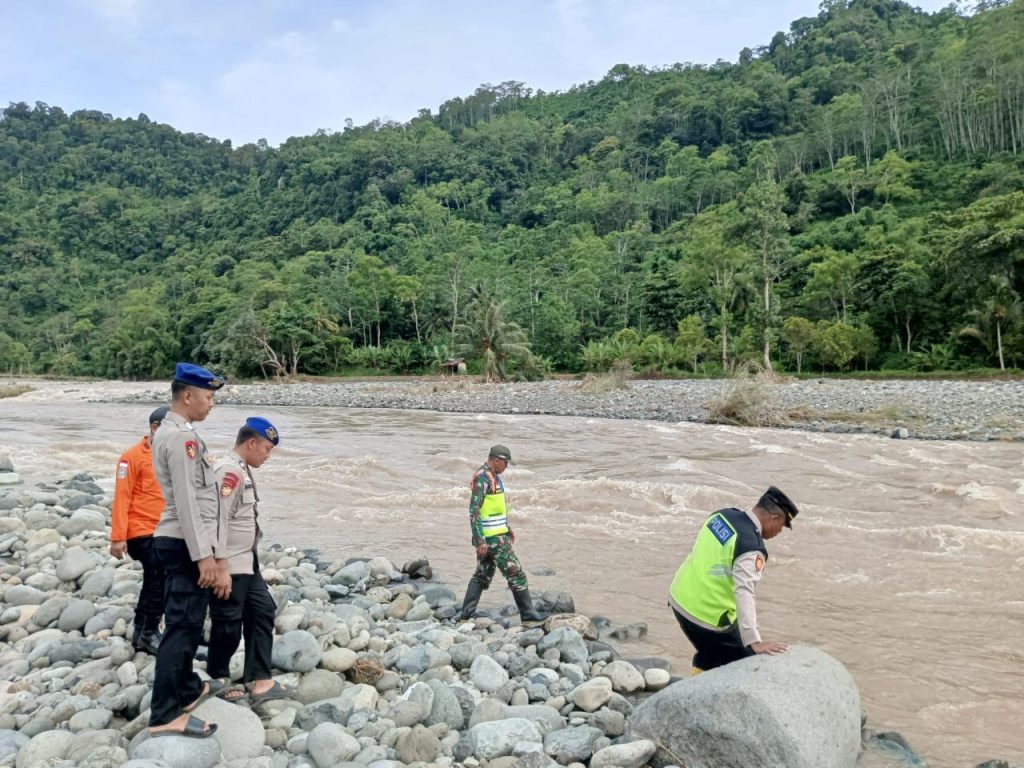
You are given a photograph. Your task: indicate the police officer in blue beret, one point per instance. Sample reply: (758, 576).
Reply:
(191, 541)
(249, 610)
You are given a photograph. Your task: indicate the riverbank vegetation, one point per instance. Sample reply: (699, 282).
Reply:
(848, 196)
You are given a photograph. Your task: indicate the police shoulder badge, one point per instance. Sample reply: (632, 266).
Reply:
(228, 484)
(192, 449)
(759, 563)
(122, 470)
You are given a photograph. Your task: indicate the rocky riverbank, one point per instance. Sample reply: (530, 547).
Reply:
(382, 677)
(939, 410)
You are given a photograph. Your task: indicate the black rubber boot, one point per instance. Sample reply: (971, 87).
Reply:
(146, 640)
(527, 613)
(469, 603)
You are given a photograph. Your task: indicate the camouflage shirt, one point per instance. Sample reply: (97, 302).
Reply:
(484, 482)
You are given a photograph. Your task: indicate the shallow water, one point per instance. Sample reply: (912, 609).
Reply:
(905, 562)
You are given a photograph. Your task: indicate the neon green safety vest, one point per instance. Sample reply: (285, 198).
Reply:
(703, 585)
(494, 510)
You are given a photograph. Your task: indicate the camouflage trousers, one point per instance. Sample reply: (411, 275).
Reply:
(501, 556)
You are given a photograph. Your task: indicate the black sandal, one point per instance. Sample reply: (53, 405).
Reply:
(273, 693)
(194, 729)
(211, 688)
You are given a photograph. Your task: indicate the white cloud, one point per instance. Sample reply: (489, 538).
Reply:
(295, 45)
(281, 74)
(117, 10)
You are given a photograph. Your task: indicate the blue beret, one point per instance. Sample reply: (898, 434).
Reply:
(195, 376)
(263, 428)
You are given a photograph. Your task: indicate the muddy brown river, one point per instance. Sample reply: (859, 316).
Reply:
(906, 562)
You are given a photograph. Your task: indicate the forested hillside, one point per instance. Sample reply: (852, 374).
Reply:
(849, 195)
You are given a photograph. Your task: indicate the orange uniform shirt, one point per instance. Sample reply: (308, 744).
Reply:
(138, 501)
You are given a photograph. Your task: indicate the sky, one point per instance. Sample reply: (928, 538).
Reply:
(271, 69)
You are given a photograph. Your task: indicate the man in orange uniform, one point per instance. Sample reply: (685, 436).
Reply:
(138, 504)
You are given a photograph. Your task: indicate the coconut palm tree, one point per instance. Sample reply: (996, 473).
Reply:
(1000, 309)
(488, 335)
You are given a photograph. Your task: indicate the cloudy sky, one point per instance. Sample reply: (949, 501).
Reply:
(250, 69)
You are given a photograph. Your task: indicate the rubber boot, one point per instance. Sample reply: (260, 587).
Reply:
(147, 640)
(527, 613)
(469, 603)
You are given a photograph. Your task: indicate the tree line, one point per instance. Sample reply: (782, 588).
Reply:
(850, 195)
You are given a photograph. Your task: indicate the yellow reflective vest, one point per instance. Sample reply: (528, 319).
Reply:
(703, 586)
(494, 509)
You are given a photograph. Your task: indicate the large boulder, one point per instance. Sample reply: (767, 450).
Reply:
(800, 709)
(239, 729)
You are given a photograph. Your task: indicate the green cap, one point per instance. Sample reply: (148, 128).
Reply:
(500, 452)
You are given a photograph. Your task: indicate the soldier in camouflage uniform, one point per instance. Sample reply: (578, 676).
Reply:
(493, 539)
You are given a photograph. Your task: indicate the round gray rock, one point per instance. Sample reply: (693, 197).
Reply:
(75, 615)
(330, 744)
(97, 583)
(499, 737)
(592, 694)
(463, 654)
(296, 651)
(239, 730)
(352, 574)
(179, 751)
(569, 644)
(319, 684)
(572, 745)
(11, 742)
(624, 676)
(50, 611)
(631, 755)
(445, 707)
(487, 674)
(74, 563)
(418, 745)
(48, 746)
(22, 594)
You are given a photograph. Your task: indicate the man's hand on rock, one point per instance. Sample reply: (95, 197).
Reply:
(118, 549)
(771, 649)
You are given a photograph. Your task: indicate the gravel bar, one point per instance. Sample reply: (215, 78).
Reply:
(931, 410)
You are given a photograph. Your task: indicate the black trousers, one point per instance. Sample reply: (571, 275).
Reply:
(248, 612)
(714, 649)
(175, 683)
(150, 606)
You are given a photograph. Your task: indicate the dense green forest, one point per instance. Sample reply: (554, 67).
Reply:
(850, 195)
